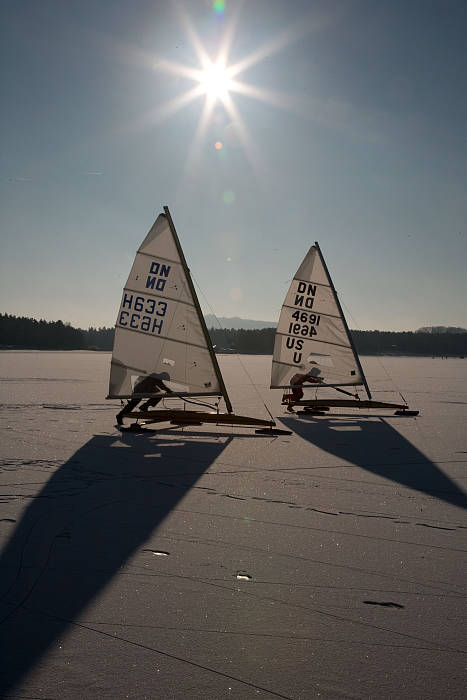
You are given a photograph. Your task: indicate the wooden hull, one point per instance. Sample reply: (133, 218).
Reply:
(179, 417)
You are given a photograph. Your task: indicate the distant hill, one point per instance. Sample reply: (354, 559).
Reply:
(441, 329)
(236, 322)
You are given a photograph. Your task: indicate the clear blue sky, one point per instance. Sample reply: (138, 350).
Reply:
(350, 129)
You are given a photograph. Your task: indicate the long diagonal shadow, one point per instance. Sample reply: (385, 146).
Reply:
(91, 516)
(374, 445)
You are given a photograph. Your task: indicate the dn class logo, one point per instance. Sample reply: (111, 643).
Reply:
(305, 295)
(157, 276)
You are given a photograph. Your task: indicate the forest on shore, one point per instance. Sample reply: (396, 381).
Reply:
(21, 333)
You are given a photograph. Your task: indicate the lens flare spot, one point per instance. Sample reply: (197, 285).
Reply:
(229, 259)
(218, 145)
(228, 197)
(218, 6)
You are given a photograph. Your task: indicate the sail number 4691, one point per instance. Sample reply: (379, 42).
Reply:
(302, 328)
(304, 317)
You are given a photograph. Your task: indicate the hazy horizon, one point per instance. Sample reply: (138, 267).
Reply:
(343, 122)
(218, 322)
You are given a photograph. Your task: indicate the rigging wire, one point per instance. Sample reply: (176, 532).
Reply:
(349, 314)
(236, 353)
(184, 400)
(201, 403)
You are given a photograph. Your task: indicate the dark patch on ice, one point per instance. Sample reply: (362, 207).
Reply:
(7, 520)
(384, 604)
(368, 515)
(436, 527)
(12, 463)
(325, 512)
(287, 503)
(61, 407)
(19, 406)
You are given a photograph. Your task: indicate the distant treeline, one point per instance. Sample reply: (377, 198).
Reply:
(366, 342)
(28, 333)
(410, 343)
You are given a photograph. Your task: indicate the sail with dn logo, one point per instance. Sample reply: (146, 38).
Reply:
(312, 331)
(313, 347)
(158, 329)
(162, 349)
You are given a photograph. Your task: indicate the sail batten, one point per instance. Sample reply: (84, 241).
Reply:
(319, 284)
(157, 296)
(289, 306)
(312, 337)
(169, 260)
(323, 342)
(159, 331)
(165, 337)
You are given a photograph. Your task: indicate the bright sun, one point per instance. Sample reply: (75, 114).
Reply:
(215, 80)
(218, 80)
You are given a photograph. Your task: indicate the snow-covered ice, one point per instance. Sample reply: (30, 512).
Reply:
(212, 562)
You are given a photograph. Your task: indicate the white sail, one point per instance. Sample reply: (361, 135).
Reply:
(312, 332)
(160, 331)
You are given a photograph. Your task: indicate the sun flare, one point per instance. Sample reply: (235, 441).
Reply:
(215, 80)
(218, 80)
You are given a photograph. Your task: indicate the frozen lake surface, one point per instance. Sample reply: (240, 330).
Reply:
(215, 563)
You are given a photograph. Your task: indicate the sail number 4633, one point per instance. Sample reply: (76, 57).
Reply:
(133, 318)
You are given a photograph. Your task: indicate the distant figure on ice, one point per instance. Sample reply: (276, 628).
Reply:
(152, 384)
(296, 384)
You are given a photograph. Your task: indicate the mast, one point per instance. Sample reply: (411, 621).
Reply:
(199, 312)
(336, 299)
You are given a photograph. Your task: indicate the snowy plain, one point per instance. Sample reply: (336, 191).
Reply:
(212, 562)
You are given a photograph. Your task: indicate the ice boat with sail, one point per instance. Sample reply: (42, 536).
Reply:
(162, 352)
(313, 347)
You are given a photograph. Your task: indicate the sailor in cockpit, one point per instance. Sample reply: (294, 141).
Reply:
(296, 382)
(151, 384)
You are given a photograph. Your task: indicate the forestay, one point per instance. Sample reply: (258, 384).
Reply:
(312, 332)
(159, 329)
